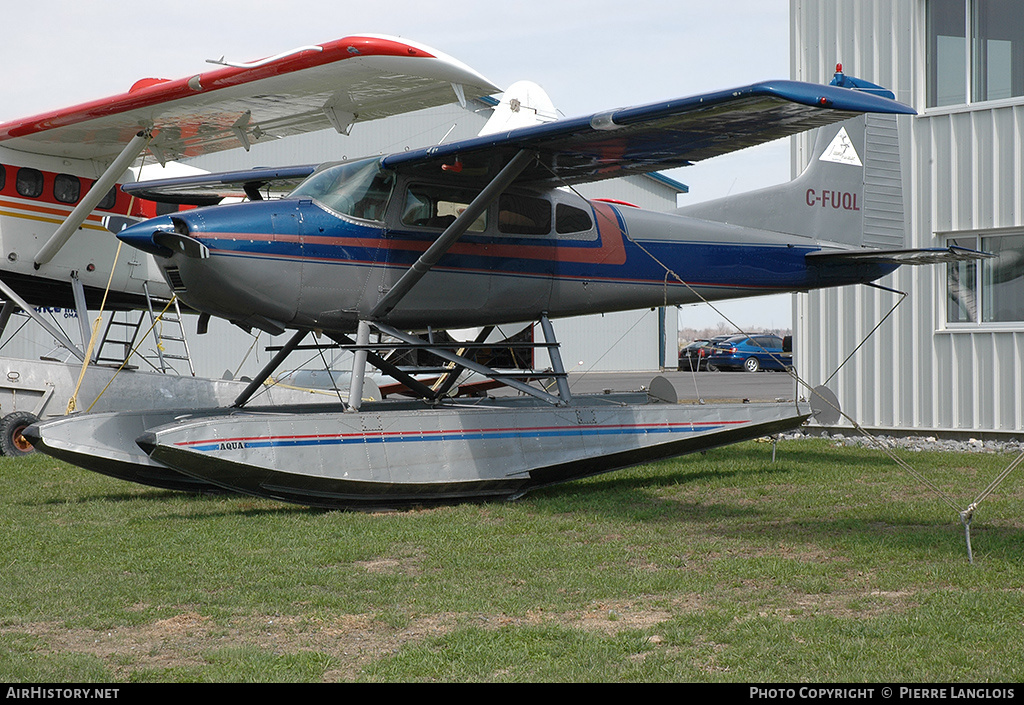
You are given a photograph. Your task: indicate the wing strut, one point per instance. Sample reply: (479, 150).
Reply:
(92, 199)
(11, 295)
(452, 233)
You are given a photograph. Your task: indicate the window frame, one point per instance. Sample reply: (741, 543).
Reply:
(528, 215)
(39, 186)
(980, 286)
(971, 64)
(567, 216)
(437, 193)
(58, 179)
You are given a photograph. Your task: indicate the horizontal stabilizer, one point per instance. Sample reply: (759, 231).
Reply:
(927, 255)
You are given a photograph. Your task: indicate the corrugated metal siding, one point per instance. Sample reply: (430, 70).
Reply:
(962, 171)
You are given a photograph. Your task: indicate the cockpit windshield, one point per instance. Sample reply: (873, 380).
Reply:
(359, 189)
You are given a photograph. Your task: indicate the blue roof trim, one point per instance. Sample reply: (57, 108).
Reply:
(667, 181)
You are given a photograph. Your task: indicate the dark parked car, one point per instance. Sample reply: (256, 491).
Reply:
(753, 353)
(694, 355)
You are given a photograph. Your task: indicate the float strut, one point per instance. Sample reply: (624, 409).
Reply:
(269, 368)
(355, 394)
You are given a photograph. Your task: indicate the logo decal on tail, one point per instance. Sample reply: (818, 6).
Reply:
(841, 150)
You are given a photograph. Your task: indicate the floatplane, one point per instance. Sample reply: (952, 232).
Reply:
(381, 254)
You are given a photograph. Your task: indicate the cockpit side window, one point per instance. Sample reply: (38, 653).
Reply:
(358, 189)
(433, 206)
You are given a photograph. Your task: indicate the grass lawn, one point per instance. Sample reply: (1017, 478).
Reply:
(828, 565)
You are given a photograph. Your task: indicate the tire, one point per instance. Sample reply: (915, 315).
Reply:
(712, 368)
(751, 364)
(12, 443)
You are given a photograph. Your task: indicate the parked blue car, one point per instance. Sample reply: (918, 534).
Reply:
(753, 353)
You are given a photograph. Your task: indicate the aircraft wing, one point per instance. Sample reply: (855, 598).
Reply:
(333, 84)
(605, 145)
(209, 189)
(650, 137)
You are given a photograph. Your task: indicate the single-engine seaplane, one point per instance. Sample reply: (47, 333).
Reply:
(379, 254)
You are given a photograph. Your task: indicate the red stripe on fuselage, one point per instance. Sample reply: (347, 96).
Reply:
(611, 251)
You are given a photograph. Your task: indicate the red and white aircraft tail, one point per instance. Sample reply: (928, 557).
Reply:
(523, 104)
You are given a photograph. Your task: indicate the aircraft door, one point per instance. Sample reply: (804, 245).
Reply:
(525, 251)
(454, 285)
(278, 277)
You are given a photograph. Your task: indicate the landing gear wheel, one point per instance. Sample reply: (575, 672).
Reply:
(12, 443)
(751, 364)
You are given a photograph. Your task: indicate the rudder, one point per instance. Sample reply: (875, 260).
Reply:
(850, 193)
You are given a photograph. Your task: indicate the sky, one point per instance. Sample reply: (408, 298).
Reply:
(589, 56)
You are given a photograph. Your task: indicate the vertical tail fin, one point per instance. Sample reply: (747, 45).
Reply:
(850, 193)
(524, 104)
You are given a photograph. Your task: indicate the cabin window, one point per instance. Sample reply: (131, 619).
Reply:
(523, 215)
(67, 188)
(988, 290)
(431, 206)
(358, 189)
(3, 176)
(109, 201)
(29, 182)
(569, 219)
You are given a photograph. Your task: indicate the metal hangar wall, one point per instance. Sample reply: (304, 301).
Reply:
(950, 359)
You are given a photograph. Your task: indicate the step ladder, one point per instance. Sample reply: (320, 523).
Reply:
(166, 328)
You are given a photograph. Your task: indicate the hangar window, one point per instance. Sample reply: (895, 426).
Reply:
(67, 188)
(29, 182)
(988, 290)
(975, 51)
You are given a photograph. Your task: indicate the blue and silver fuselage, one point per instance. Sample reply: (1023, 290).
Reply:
(312, 262)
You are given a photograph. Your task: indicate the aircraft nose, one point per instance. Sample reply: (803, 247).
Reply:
(141, 235)
(164, 237)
